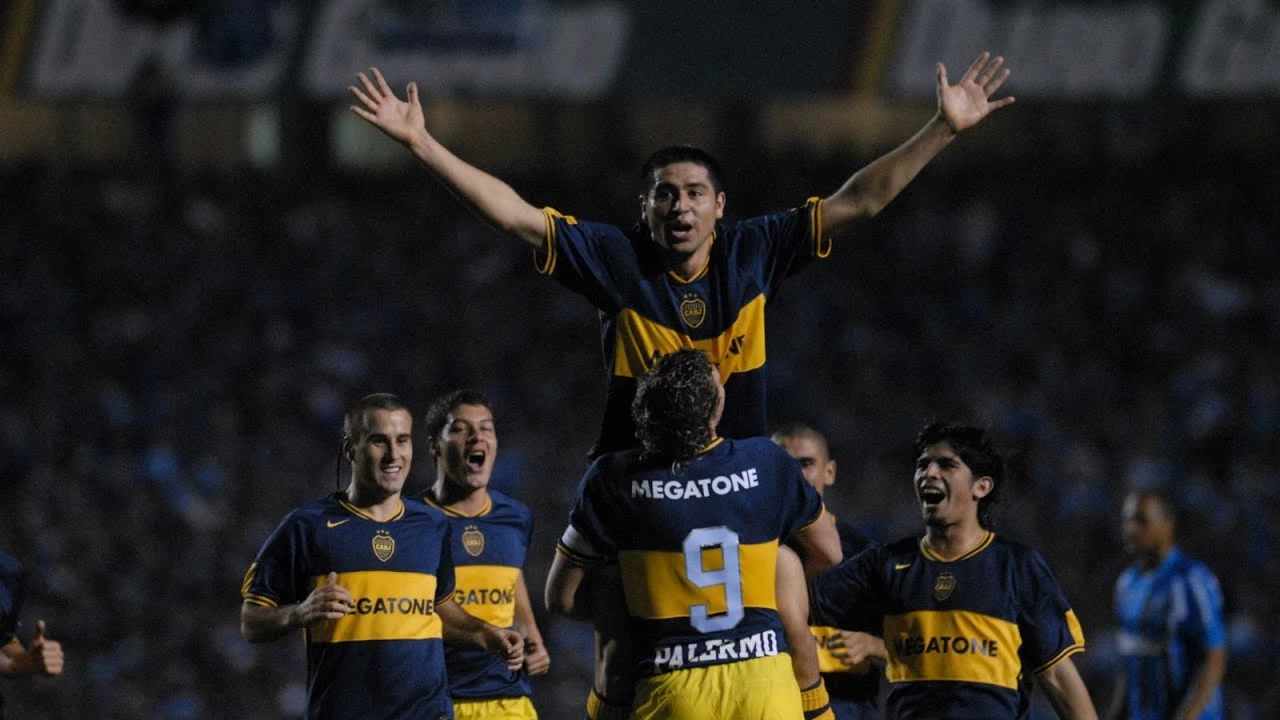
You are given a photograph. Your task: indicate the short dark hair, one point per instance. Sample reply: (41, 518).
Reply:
(440, 409)
(1161, 497)
(356, 419)
(797, 429)
(674, 404)
(974, 446)
(682, 153)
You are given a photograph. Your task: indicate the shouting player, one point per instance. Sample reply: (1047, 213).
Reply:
(491, 534)
(969, 618)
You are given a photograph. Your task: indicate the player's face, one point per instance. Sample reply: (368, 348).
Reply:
(1145, 525)
(818, 469)
(382, 456)
(947, 490)
(681, 207)
(468, 445)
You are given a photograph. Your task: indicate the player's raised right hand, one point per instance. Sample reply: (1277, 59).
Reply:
(402, 120)
(330, 601)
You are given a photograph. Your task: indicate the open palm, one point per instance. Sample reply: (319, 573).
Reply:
(400, 119)
(966, 103)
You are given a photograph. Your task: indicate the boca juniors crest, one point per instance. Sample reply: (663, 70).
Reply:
(943, 586)
(693, 309)
(384, 546)
(473, 541)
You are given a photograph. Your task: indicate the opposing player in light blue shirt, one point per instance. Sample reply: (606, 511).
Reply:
(1169, 608)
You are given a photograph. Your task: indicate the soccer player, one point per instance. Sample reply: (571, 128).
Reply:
(680, 278)
(491, 534)
(695, 521)
(40, 656)
(850, 659)
(969, 618)
(369, 578)
(1169, 608)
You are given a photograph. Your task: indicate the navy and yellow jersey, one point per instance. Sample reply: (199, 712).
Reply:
(488, 552)
(697, 547)
(861, 682)
(1170, 618)
(963, 635)
(11, 598)
(647, 311)
(386, 659)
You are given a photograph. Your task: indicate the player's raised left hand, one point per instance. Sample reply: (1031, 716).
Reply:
(966, 103)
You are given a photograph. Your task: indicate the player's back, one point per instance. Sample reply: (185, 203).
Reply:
(697, 544)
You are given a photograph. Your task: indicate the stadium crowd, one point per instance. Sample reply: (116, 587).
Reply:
(179, 350)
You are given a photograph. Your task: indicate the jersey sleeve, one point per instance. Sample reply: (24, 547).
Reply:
(846, 594)
(1200, 620)
(588, 540)
(785, 242)
(1049, 628)
(278, 573)
(445, 581)
(585, 257)
(799, 503)
(12, 596)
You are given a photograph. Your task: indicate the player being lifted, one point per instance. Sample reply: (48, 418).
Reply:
(368, 577)
(491, 535)
(969, 618)
(695, 522)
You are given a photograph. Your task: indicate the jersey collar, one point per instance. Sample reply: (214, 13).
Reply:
(931, 555)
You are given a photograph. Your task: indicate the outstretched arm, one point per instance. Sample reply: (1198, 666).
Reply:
(960, 107)
(490, 198)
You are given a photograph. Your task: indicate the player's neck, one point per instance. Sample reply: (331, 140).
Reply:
(465, 501)
(687, 267)
(1151, 561)
(378, 505)
(953, 541)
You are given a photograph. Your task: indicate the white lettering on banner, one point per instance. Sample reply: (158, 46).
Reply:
(88, 47)
(1054, 50)
(1232, 49)
(578, 52)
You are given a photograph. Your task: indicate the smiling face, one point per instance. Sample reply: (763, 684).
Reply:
(382, 452)
(946, 488)
(466, 448)
(681, 208)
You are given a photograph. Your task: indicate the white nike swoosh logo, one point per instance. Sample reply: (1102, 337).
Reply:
(901, 566)
(333, 524)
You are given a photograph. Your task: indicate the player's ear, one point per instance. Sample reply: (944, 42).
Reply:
(348, 449)
(831, 473)
(983, 486)
(720, 203)
(644, 209)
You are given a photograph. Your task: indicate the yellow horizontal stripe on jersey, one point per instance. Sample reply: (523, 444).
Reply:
(389, 606)
(828, 663)
(952, 645)
(657, 587)
(487, 592)
(738, 349)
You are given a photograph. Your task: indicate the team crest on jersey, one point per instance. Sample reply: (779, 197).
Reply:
(943, 586)
(384, 546)
(473, 541)
(693, 309)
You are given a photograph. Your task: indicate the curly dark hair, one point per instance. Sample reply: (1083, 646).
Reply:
(674, 404)
(974, 446)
